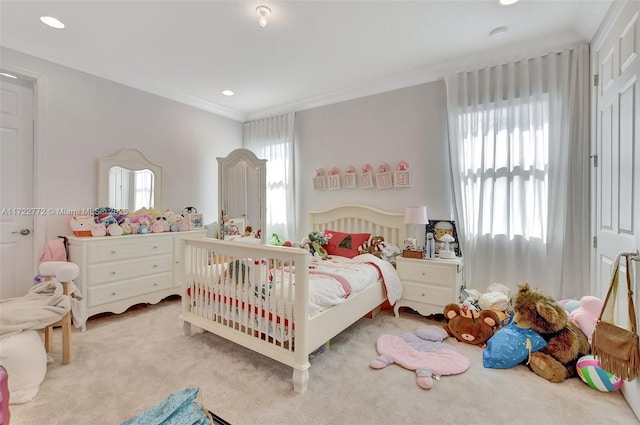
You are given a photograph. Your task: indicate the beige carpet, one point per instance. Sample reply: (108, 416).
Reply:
(124, 364)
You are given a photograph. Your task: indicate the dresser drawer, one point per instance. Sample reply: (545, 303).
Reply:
(119, 270)
(126, 289)
(121, 249)
(432, 272)
(429, 294)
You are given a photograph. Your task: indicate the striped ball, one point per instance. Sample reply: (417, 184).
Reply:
(597, 378)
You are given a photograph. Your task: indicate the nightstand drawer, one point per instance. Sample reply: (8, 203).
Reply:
(429, 294)
(419, 271)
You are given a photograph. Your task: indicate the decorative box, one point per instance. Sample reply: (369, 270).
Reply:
(407, 253)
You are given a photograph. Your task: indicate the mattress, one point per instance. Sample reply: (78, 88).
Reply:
(331, 282)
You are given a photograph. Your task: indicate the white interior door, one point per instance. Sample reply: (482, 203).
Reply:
(16, 187)
(617, 172)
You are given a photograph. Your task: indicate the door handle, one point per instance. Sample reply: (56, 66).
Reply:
(23, 232)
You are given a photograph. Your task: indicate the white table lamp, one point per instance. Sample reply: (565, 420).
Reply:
(416, 216)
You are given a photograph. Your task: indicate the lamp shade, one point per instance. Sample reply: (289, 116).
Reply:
(416, 215)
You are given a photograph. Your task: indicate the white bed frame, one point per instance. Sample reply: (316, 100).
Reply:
(209, 307)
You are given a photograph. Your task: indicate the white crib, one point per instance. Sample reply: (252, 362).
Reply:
(245, 292)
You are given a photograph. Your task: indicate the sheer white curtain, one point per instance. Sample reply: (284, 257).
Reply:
(272, 139)
(518, 143)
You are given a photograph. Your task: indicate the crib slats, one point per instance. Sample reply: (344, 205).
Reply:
(251, 295)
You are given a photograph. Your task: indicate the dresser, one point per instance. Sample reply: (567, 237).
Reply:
(428, 284)
(117, 272)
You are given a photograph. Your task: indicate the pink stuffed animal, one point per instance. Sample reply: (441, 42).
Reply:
(584, 313)
(423, 352)
(586, 316)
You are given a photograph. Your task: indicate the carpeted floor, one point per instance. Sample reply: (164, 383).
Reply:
(124, 364)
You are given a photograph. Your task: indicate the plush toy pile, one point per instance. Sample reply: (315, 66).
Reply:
(111, 222)
(479, 316)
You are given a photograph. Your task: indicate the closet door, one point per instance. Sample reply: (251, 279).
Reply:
(616, 180)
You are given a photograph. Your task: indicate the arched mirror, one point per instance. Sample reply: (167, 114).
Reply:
(129, 181)
(242, 192)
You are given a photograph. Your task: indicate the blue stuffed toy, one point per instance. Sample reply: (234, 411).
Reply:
(511, 345)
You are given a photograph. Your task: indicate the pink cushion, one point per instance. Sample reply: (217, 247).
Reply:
(345, 244)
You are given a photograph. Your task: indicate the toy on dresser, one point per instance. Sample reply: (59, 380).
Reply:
(81, 225)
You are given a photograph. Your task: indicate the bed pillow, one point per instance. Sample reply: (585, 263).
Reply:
(345, 244)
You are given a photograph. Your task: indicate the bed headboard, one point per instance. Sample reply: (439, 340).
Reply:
(360, 219)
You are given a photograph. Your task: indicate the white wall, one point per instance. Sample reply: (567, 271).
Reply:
(83, 117)
(86, 117)
(408, 124)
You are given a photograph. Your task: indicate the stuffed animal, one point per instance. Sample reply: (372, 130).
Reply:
(566, 342)
(80, 225)
(158, 225)
(470, 326)
(584, 313)
(425, 352)
(512, 345)
(114, 230)
(98, 229)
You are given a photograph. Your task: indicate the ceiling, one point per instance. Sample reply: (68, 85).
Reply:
(311, 53)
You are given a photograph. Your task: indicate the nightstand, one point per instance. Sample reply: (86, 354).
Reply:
(428, 284)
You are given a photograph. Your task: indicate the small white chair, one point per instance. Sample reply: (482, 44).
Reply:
(64, 272)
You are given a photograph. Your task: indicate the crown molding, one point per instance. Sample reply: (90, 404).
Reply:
(428, 74)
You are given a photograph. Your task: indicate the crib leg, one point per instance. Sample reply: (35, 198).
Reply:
(186, 328)
(300, 380)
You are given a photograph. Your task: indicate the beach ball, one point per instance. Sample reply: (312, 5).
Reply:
(596, 377)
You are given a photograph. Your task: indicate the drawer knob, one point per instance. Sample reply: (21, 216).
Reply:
(113, 294)
(423, 274)
(155, 266)
(113, 273)
(155, 284)
(113, 252)
(422, 294)
(155, 247)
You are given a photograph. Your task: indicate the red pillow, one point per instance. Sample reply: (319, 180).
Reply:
(345, 244)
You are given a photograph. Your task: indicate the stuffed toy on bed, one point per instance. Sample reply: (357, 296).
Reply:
(425, 352)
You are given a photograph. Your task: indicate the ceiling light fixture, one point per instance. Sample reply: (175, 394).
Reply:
(507, 2)
(52, 22)
(8, 75)
(227, 92)
(264, 12)
(496, 32)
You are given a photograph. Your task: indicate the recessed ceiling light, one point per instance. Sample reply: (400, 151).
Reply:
(227, 92)
(8, 75)
(52, 22)
(507, 2)
(496, 32)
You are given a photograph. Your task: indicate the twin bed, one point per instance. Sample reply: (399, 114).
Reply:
(280, 301)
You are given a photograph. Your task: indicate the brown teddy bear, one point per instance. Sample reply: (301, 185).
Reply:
(471, 327)
(566, 342)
